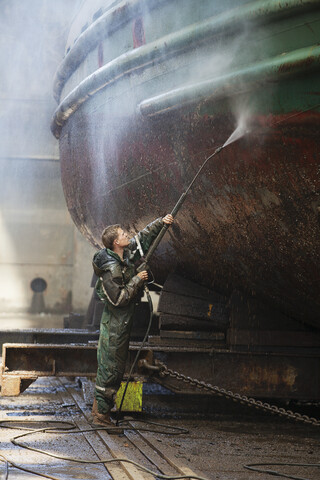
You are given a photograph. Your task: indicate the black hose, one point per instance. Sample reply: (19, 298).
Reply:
(146, 289)
(151, 250)
(253, 467)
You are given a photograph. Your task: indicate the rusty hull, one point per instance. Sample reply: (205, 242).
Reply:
(135, 124)
(251, 222)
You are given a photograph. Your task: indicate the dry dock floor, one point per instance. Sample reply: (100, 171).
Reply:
(217, 446)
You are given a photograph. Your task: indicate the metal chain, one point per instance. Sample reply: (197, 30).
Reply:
(236, 397)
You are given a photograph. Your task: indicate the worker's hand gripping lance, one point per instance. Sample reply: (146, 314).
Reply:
(144, 264)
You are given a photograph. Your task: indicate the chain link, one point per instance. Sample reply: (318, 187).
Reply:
(236, 397)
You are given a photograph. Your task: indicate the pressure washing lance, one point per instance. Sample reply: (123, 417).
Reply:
(145, 260)
(178, 205)
(239, 132)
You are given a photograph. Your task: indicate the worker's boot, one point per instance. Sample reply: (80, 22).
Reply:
(100, 418)
(104, 420)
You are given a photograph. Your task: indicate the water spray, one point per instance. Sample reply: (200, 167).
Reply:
(239, 132)
(174, 212)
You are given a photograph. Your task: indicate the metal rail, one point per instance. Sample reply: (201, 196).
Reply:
(49, 336)
(280, 375)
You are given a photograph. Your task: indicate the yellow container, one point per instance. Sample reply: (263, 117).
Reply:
(133, 397)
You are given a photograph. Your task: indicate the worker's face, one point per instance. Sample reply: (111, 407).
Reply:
(122, 239)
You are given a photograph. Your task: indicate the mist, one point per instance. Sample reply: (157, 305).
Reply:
(36, 232)
(117, 113)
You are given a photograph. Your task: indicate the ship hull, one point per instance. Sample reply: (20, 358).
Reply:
(131, 144)
(251, 222)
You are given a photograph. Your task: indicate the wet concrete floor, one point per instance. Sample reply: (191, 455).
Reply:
(219, 442)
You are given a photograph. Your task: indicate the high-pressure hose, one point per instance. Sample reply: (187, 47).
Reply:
(144, 264)
(146, 289)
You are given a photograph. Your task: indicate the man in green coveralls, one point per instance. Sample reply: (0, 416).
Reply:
(118, 286)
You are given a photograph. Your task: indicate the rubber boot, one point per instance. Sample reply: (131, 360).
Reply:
(100, 418)
(103, 419)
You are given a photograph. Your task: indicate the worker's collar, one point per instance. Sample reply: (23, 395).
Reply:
(116, 256)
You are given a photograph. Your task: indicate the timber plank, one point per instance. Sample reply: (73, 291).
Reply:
(273, 338)
(94, 441)
(182, 305)
(177, 322)
(114, 444)
(182, 286)
(192, 335)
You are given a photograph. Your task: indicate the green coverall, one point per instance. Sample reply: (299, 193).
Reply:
(118, 286)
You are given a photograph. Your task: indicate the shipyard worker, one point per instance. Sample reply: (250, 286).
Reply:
(118, 287)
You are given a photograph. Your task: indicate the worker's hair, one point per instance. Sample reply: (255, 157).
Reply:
(109, 235)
